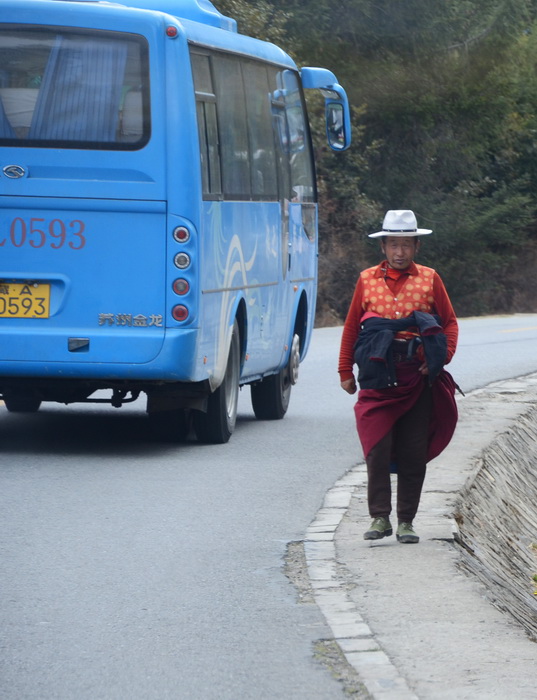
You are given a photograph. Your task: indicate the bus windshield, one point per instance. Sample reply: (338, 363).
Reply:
(69, 89)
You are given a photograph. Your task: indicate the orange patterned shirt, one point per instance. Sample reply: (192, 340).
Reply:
(396, 294)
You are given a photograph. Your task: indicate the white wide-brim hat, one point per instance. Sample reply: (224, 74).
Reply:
(400, 222)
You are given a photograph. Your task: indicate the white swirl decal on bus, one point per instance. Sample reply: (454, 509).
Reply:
(235, 266)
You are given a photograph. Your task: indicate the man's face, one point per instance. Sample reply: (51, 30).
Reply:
(400, 250)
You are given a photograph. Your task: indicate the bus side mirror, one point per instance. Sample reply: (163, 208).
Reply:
(335, 126)
(337, 111)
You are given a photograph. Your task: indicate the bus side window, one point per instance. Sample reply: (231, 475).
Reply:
(233, 127)
(280, 133)
(301, 157)
(207, 126)
(260, 130)
(202, 136)
(295, 158)
(209, 152)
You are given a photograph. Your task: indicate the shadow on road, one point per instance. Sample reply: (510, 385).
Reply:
(91, 431)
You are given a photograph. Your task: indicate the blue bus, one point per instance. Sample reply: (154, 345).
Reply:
(158, 210)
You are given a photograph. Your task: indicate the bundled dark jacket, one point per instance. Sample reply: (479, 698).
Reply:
(374, 350)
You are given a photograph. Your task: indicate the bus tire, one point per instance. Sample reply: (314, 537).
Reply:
(217, 424)
(271, 396)
(22, 404)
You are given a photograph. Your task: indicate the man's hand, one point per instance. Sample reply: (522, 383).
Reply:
(423, 368)
(349, 385)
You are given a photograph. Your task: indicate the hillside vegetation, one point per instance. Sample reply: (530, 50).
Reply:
(444, 102)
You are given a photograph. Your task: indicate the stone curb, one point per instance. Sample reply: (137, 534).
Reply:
(354, 637)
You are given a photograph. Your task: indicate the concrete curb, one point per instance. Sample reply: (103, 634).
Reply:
(354, 637)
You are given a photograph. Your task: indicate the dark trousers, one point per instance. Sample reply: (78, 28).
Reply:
(406, 444)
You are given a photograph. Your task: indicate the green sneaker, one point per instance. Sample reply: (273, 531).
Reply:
(406, 534)
(380, 527)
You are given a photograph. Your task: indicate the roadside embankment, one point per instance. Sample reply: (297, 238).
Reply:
(497, 521)
(409, 618)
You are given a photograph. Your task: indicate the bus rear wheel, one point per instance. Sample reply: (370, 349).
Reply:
(218, 423)
(271, 396)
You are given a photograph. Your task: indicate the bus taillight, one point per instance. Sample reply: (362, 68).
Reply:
(182, 260)
(181, 234)
(181, 287)
(180, 312)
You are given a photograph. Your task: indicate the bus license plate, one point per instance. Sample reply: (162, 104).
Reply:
(24, 300)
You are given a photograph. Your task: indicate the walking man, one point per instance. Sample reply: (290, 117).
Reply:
(400, 330)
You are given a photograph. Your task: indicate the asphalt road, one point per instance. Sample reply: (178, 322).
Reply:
(492, 348)
(134, 569)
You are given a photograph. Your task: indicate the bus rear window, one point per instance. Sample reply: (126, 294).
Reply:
(68, 89)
